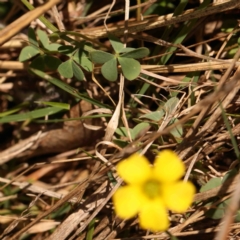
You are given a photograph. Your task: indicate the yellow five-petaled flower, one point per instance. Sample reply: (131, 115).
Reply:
(152, 190)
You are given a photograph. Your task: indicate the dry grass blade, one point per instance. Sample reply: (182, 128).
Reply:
(23, 21)
(152, 23)
(228, 219)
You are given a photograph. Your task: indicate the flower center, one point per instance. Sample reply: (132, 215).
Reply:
(152, 188)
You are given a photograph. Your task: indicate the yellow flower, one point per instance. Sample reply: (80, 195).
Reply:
(152, 190)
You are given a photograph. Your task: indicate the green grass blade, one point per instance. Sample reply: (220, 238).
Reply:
(233, 139)
(177, 39)
(48, 24)
(64, 106)
(90, 230)
(187, 27)
(73, 91)
(71, 119)
(179, 9)
(13, 110)
(30, 115)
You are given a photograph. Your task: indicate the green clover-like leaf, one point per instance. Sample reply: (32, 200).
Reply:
(127, 49)
(43, 37)
(155, 116)
(134, 132)
(131, 68)
(177, 132)
(53, 47)
(32, 38)
(218, 211)
(77, 71)
(100, 56)
(136, 53)
(109, 70)
(122, 131)
(38, 63)
(66, 50)
(82, 59)
(86, 64)
(171, 105)
(139, 128)
(212, 183)
(51, 62)
(27, 53)
(65, 69)
(116, 43)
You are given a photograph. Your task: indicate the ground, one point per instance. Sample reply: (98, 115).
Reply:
(86, 84)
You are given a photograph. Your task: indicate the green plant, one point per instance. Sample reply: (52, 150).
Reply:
(81, 55)
(124, 56)
(219, 209)
(43, 52)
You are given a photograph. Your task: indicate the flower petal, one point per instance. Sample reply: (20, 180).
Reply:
(153, 216)
(178, 196)
(127, 201)
(168, 167)
(135, 169)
